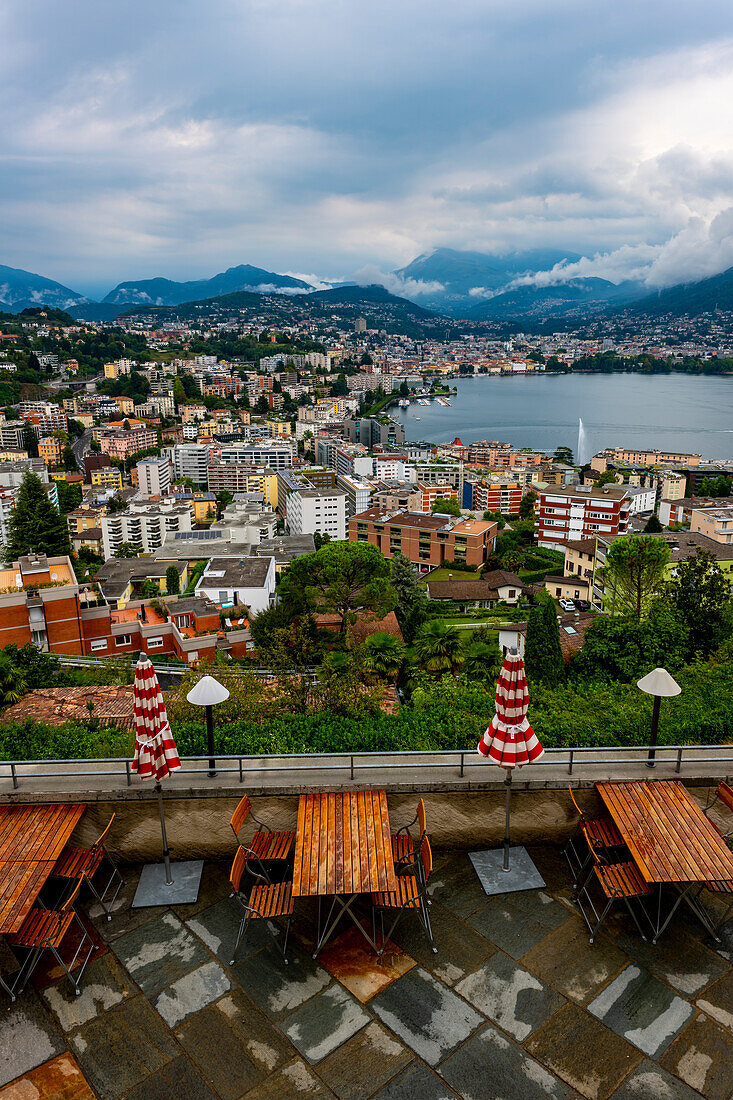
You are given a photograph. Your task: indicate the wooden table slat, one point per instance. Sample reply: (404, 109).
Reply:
(666, 831)
(342, 845)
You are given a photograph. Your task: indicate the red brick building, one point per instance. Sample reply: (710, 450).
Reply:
(428, 541)
(573, 512)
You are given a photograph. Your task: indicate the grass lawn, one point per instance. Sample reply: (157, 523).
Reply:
(446, 574)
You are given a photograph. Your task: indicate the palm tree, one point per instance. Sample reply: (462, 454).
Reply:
(438, 648)
(384, 655)
(481, 661)
(12, 684)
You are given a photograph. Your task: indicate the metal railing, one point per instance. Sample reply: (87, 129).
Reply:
(455, 763)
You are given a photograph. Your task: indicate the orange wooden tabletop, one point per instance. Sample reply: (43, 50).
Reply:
(37, 832)
(31, 840)
(666, 832)
(342, 844)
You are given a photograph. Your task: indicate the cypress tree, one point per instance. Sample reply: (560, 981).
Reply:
(543, 658)
(35, 525)
(411, 599)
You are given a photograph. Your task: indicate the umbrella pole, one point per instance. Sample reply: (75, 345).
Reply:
(508, 786)
(166, 853)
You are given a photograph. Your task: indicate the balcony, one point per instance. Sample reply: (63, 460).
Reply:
(515, 1002)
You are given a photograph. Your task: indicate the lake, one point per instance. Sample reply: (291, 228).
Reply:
(661, 412)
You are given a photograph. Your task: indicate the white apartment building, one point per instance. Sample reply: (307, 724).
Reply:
(575, 512)
(265, 452)
(358, 493)
(642, 498)
(191, 460)
(154, 476)
(145, 526)
(318, 510)
(232, 582)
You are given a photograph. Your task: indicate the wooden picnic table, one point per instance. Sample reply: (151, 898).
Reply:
(31, 840)
(671, 840)
(343, 848)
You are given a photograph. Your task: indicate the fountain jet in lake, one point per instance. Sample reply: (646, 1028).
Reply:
(580, 455)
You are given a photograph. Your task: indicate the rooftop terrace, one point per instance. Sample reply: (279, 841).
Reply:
(515, 1004)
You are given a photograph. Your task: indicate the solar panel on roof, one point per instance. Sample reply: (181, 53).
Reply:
(178, 535)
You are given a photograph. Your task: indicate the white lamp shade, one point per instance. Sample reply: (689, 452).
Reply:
(659, 682)
(207, 692)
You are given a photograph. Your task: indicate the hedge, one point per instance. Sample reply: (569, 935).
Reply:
(447, 715)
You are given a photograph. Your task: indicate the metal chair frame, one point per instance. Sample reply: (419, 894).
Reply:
(581, 888)
(250, 912)
(418, 871)
(407, 859)
(92, 853)
(243, 812)
(577, 862)
(49, 943)
(724, 794)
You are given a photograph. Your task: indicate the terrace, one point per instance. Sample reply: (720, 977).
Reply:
(516, 1002)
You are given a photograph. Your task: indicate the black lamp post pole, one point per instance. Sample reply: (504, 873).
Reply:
(210, 739)
(655, 728)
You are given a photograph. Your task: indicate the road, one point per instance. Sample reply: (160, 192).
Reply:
(80, 446)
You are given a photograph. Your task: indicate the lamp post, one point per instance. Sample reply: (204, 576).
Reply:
(207, 693)
(660, 684)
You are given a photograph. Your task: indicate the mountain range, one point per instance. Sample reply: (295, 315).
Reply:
(468, 285)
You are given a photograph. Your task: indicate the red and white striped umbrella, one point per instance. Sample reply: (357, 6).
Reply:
(155, 749)
(509, 740)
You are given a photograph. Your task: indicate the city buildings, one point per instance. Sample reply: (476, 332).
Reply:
(575, 512)
(715, 523)
(232, 582)
(317, 511)
(143, 526)
(427, 541)
(154, 476)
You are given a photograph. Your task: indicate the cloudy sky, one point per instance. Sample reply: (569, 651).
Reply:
(180, 137)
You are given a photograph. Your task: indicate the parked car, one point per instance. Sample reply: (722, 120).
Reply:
(581, 605)
(567, 605)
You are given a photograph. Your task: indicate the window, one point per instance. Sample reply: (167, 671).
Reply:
(101, 644)
(193, 656)
(155, 643)
(123, 639)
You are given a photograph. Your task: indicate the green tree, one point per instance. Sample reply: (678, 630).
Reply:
(340, 578)
(149, 589)
(482, 658)
(653, 525)
(701, 595)
(30, 442)
(446, 506)
(634, 573)
(69, 496)
(12, 685)
(404, 389)
(438, 648)
(127, 550)
(526, 504)
(384, 655)
(35, 525)
(179, 393)
(624, 648)
(340, 388)
(543, 657)
(262, 407)
(608, 477)
(563, 454)
(285, 642)
(411, 606)
(172, 581)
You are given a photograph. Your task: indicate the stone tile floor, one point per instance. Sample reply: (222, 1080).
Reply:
(516, 1004)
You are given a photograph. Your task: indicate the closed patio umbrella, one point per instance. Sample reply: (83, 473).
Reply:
(509, 742)
(156, 756)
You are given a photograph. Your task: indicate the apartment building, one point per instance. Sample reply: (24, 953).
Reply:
(493, 495)
(192, 460)
(43, 417)
(576, 580)
(122, 443)
(427, 541)
(40, 604)
(680, 509)
(49, 449)
(652, 458)
(230, 477)
(106, 477)
(397, 498)
(317, 511)
(276, 455)
(567, 513)
(145, 526)
(12, 433)
(154, 476)
(373, 431)
(501, 456)
(234, 582)
(715, 523)
(358, 493)
(430, 493)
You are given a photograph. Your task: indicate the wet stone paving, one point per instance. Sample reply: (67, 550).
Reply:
(515, 1004)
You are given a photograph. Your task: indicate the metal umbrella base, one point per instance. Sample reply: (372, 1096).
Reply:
(183, 889)
(168, 883)
(522, 873)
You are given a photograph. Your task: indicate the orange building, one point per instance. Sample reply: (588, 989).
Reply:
(49, 449)
(427, 541)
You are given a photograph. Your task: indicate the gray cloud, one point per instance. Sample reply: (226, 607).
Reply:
(178, 139)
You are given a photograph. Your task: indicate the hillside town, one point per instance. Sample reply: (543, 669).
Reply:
(188, 484)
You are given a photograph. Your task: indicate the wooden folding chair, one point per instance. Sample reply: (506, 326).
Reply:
(411, 895)
(590, 833)
(44, 930)
(619, 882)
(85, 862)
(267, 845)
(724, 794)
(403, 842)
(267, 901)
